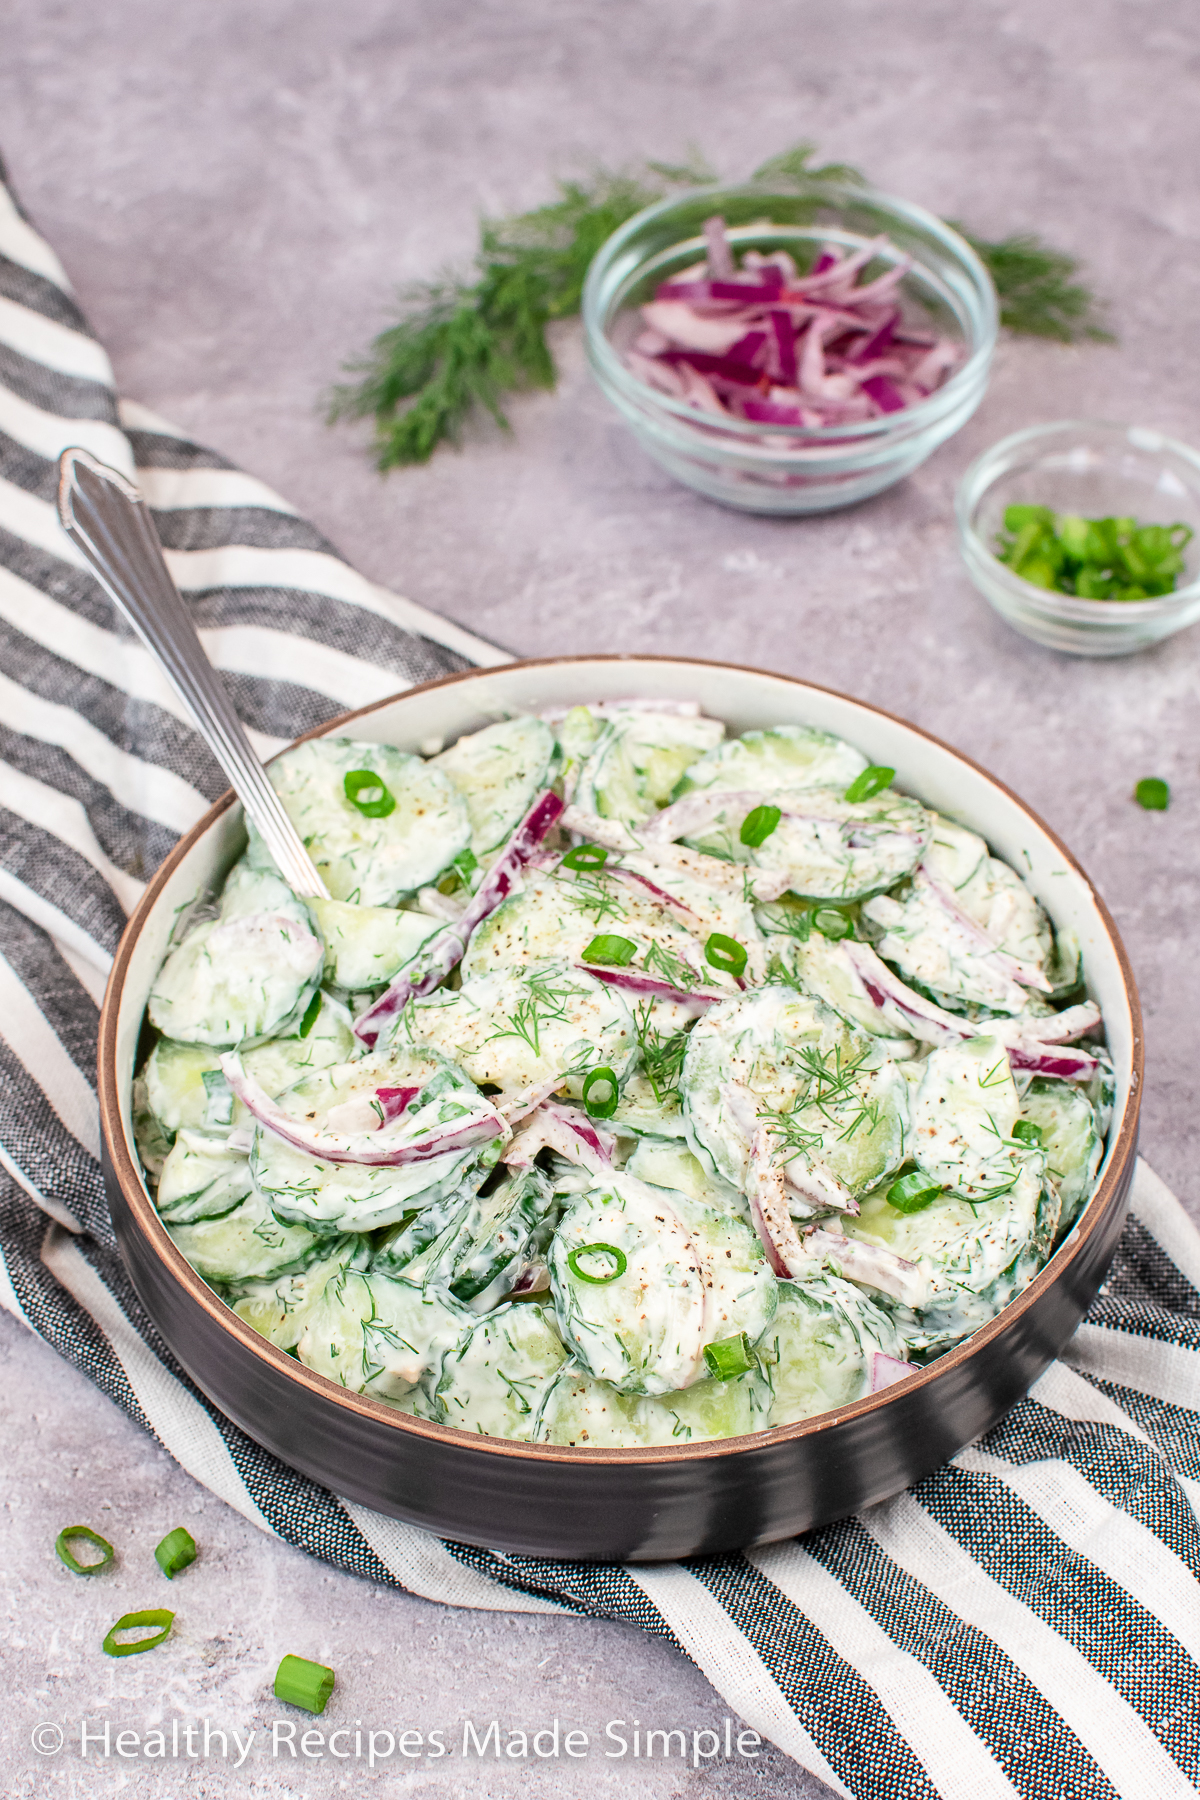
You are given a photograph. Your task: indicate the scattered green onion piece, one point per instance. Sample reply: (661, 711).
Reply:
(466, 862)
(758, 825)
(913, 1192)
(585, 856)
(135, 1622)
(380, 800)
(729, 1357)
(1026, 1132)
(1153, 794)
(176, 1551)
(312, 1013)
(304, 1683)
(602, 1077)
(615, 952)
(872, 781)
(622, 1262)
(725, 953)
(832, 924)
(91, 1537)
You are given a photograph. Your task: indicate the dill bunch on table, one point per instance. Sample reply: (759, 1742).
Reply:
(463, 343)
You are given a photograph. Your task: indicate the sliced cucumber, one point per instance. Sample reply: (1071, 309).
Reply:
(244, 976)
(366, 945)
(668, 1163)
(506, 1230)
(202, 1178)
(991, 893)
(328, 1041)
(280, 1310)
(829, 1093)
(346, 1196)
(248, 1243)
(817, 1352)
(934, 953)
(579, 1410)
(991, 1229)
(375, 1335)
(828, 847)
(639, 760)
(520, 1026)
(822, 969)
(498, 771)
(494, 1379)
(175, 1088)
(673, 1276)
(787, 756)
(376, 857)
(1071, 1140)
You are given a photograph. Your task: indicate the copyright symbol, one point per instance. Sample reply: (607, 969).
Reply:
(47, 1740)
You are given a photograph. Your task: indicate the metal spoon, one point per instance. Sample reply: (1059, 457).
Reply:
(107, 518)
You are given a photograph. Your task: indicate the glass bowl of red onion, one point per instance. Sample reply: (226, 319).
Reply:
(789, 350)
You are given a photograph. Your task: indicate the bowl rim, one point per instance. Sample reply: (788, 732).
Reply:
(986, 469)
(611, 369)
(1119, 1150)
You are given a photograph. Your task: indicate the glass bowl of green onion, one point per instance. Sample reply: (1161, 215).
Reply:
(1085, 535)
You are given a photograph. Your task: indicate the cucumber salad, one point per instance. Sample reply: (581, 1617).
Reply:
(637, 1084)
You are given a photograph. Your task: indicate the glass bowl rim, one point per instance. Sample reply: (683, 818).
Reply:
(986, 469)
(611, 369)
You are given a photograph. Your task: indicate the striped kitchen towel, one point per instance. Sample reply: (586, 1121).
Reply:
(1024, 1622)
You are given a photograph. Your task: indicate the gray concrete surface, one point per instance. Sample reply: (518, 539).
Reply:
(237, 191)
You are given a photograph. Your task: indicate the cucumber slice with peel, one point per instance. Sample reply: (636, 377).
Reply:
(365, 946)
(672, 1277)
(248, 1243)
(280, 1309)
(494, 1379)
(202, 1178)
(498, 771)
(581, 1411)
(786, 756)
(244, 976)
(375, 857)
(377, 1335)
(638, 762)
(817, 1351)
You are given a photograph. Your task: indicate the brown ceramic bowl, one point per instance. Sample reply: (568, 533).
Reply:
(618, 1505)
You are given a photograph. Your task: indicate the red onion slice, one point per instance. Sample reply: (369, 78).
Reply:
(697, 1000)
(887, 1370)
(571, 1134)
(379, 1149)
(446, 948)
(1024, 973)
(869, 1264)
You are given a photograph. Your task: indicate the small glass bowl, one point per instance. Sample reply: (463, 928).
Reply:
(789, 468)
(1096, 470)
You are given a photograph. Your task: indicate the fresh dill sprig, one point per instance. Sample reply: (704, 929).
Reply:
(463, 343)
(545, 1002)
(1038, 290)
(659, 960)
(662, 1054)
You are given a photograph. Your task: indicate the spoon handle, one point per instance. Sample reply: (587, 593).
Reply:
(106, 517)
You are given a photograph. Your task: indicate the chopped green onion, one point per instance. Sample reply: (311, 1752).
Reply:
(1026, 1132)
(1153, 794)
(312, 1013)
(466, 862)
(833, 924)
(603, 1077)
(366, 791)
(725, 953)
(913, 1192)
(729, 1357)
(758, 825)
(1094, 559)
(137, 1622)
(89, 1536)
(872, 781)
(176, 1551)
(585, 856)
(614, 951)
(304, 1683)
(621, 1259)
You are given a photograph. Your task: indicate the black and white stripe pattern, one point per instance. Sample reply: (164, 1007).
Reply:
(1023, 1623)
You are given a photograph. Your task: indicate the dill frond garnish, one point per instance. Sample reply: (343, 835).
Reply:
(1038, 290)
(662, 1054)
